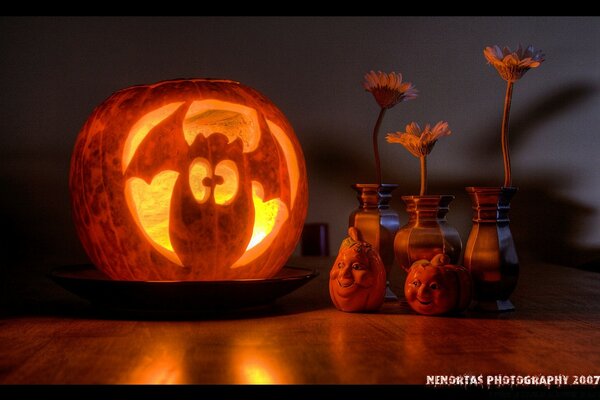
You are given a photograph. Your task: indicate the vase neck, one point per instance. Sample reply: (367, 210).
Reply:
(491, 204)
(430, 207)
(372, 195)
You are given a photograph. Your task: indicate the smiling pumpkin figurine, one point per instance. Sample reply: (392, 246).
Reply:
(357, 278)
(436, 287)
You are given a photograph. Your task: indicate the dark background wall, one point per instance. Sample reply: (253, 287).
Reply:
(54, 71)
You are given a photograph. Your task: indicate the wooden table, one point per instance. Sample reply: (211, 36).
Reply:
(303, 339)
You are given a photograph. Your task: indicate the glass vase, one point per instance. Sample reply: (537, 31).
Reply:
(427, 232)
(490, 253)
(376, 222)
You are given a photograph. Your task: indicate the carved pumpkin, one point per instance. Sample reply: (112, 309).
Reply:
(357, 279)
(436, 287)
(188, 180)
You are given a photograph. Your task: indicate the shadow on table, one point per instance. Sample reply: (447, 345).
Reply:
(83, 310)
(36, 295)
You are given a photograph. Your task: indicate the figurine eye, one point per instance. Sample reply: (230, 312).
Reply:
(416, 283)
(357, 266)
(434, 286)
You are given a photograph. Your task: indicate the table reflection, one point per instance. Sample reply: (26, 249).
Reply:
(162, 363)
(255, 365)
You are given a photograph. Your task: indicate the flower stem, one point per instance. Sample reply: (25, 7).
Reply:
(505, 149)
(423, 160)
(376, 146)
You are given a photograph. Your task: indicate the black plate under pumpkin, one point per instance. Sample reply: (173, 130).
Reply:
(91, 284)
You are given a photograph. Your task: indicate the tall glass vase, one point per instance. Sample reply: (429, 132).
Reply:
(490, 253)
(427, 232)
(376, 222)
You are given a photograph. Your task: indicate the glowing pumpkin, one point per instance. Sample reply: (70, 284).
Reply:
(188, 180)
(436, 287)
(357, 278)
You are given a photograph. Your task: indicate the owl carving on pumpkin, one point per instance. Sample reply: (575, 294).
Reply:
(203, 180)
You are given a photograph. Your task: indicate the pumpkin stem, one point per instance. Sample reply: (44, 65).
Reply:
(440, 259)
(354, 234)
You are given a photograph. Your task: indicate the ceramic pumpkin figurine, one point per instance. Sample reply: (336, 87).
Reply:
(357, 278)
(435, 287)
(191, 179)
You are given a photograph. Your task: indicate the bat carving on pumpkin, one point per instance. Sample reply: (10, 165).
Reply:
(210, 185)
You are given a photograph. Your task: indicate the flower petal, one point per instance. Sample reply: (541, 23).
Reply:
(498, 52)
(419, 142)
(512, 65)
(489, 54)
(413, 129)
(388, 89)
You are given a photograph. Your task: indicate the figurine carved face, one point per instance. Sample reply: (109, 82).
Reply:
(357, 279)
(434, 287)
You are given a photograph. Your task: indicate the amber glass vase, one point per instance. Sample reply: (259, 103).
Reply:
(427, 232)
(376, 222)
(490, 253)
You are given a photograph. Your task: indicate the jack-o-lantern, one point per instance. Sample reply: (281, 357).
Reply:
(188, 180)
(357, 278)
(436, 287)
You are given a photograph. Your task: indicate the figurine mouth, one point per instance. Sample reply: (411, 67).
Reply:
(345, 284)
(425, 303)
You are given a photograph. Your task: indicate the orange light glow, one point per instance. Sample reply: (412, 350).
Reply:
(160, 365)
(141, 128)
(188, 179)
(225, 192)
(255, 367)
(268, 220)
(199, 169)
(205, 117)
(290, 158)
(226, 176)
(257, 373)
(150, 205)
